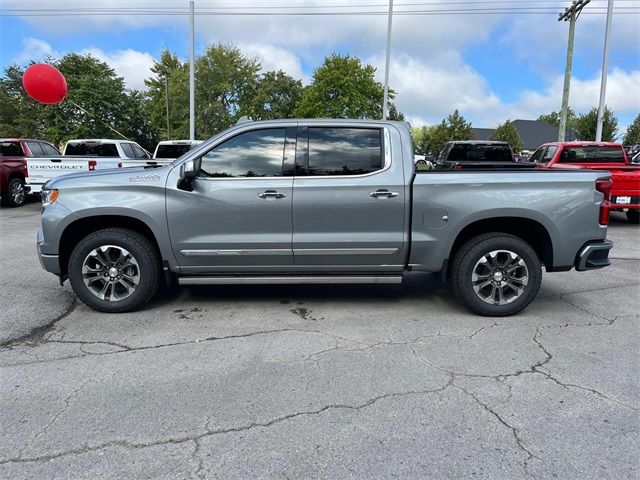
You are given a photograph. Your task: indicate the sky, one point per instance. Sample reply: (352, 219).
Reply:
(506, 62)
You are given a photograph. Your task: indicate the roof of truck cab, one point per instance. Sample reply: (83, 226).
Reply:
(99, 140)
(578, 143)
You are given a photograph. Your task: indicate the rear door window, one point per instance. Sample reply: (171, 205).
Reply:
(344, 151)
(10, 149)
(35, 149)
(592, 154)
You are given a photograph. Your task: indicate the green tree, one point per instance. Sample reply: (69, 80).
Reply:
(343, 87)
(454, 127)
(554, 118)
(19, 115)
(169, 83)
(276, 96)
(421, 138)
(226, 83)
(632, 136)
(507, 132)
(586, 125)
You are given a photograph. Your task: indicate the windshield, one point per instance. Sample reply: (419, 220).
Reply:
(172, 151)
(469, 152)
(92, 149)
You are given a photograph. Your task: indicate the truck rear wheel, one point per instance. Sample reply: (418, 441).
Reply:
(114, 270)
(633, 216)
(16, 195)
(496, 274)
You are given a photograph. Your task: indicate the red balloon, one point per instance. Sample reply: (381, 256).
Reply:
(44, 83)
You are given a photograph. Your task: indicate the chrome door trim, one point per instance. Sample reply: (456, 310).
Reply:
(284, 280)
(344, 251)
(234, 252)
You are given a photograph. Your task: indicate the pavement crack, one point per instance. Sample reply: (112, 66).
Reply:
(494, 324)
(522, 445)
(211, 432)
(36, 336)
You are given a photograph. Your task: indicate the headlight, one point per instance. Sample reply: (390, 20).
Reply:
(48, 197)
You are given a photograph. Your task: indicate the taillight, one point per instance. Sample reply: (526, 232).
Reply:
(604, 187)
(25, 170)
(92, 165)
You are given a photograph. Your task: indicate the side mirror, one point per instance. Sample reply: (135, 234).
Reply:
(188, 170)
(188, 173)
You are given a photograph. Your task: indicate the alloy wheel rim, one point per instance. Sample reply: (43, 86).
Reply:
(111, 273)
(500, 277)
(17, 192)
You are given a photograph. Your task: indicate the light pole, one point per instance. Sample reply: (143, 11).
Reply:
(192, 95)
(571, 14)
(386, 66)
(605, 68)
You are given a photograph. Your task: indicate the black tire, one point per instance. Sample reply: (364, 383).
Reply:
(633, 216)
(16, 195)
(145, 266)
(469, 259)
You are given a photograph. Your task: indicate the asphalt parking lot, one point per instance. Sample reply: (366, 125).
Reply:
(319, 381)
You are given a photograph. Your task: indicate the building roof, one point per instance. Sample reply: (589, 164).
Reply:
(533, 133)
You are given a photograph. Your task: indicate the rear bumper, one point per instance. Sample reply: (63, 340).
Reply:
(594, 255)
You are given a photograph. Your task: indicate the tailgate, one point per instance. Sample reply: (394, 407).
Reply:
(41, 170)
(626, 186)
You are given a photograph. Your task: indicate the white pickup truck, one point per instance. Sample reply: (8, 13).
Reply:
(85, 155)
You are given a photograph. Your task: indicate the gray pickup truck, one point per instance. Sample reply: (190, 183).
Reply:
(319, 201)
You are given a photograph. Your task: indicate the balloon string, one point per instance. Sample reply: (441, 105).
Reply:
(97, 118)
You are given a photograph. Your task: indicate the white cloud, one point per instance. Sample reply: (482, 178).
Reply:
(133, 65)
(34, 49)
(275, 58)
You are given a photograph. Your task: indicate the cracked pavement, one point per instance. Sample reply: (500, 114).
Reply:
(319, 381)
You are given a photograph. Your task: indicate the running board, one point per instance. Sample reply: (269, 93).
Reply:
(282, 280)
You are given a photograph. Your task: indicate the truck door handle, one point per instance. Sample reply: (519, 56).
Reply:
(383, 193)
(272, 194)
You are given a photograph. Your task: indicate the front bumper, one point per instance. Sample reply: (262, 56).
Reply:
(594, 255)
(51, 263)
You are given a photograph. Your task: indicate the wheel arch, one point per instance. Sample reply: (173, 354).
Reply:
(527, 229)
(80, 228)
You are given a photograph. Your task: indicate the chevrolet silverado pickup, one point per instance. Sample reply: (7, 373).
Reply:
(319, 201)
(607, 156)
(14, 174)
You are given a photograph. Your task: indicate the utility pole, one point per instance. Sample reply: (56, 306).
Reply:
(386, 67)
(166, 102)
(192, 69)
(571, 14)
(605, 68)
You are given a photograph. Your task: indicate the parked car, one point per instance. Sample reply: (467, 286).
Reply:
(13, 167)
(605, 156)
(319, 201)
(174, 148)
(124, 149)
(471, 154)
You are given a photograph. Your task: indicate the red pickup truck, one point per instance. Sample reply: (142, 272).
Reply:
(625, 192)
(13, 167)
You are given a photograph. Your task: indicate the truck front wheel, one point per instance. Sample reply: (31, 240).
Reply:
(496, 274)
(114, 270)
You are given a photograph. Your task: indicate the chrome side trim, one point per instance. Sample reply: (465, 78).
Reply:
(344, 251)
(283, 280)
(257, 251)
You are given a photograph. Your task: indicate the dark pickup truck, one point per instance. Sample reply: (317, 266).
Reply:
(13, 167)
(477, 154)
